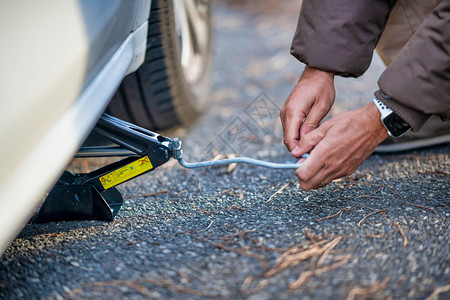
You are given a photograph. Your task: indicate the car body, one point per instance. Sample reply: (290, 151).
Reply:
(61, 62)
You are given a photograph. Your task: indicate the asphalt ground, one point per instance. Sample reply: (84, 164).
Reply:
(382, 233)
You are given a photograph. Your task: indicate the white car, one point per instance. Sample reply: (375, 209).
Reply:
(63, 63)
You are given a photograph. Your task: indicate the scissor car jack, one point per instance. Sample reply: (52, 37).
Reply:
(94, 196)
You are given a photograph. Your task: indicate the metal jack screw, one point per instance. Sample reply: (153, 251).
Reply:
(176, 149)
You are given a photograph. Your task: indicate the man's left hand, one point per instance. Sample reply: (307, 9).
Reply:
(339, 146)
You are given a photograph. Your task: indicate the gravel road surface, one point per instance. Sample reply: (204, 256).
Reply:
(248, 232)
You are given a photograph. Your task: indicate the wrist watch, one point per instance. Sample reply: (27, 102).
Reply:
(395, 125)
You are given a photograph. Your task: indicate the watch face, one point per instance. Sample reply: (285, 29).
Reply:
(395, 125)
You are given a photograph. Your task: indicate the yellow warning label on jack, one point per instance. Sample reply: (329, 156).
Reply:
(126, 172)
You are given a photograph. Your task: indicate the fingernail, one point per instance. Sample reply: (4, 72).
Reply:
(295, 150)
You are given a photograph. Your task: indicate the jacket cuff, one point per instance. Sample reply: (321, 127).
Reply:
(414, 118)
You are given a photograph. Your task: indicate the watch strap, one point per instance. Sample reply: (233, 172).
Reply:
(384, 110)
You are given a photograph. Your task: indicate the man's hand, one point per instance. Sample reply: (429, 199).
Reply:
(309, 102)
(339, 146)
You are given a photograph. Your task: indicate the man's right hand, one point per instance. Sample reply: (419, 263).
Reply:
(309, 102)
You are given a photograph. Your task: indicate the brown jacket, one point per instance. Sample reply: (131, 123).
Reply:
(340, 36)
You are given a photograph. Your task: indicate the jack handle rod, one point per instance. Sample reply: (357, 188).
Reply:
(178, 155)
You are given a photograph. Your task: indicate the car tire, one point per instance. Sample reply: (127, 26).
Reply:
(173, 84)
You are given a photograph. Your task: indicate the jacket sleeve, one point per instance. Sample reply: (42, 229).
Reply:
(339, 36)
(418, 80)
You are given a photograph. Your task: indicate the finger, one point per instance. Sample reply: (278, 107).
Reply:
(307, 143)
(314, 173)
(314, 166)
(307, 128)
(291, 128)
(311, 166)
(308, 171)
(312, 120)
